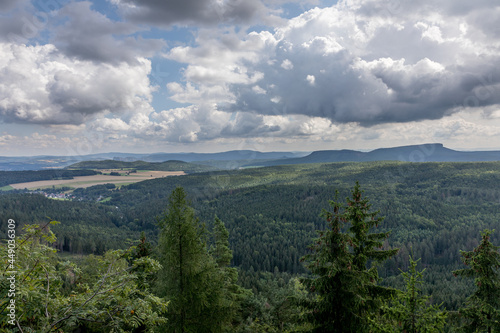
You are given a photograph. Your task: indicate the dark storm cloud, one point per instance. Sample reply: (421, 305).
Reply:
(90, 35)
(204, 12)
(369, 95)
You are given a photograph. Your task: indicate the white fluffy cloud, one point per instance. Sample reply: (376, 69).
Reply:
(40, 85)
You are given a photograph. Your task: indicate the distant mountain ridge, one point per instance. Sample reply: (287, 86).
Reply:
(432, 152)
(222, 160)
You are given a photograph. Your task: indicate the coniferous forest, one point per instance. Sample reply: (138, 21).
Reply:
(337, 247)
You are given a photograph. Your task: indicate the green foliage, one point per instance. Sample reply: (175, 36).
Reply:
(52, 295)
(276, 306)
(189, 278)
(432, 209)
(226, 308)
(409, 311)
(344, 277)
(482, 309)
(221, 251)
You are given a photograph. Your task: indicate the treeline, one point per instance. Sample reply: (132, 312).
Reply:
(186, 282)
(13, 177)
(171, 165)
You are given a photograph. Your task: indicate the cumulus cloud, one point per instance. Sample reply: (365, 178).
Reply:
(19, 21)
(357, 61)
(186, 12)
(89, 35)
(40, 85)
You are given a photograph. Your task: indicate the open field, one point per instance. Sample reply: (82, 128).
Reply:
(87, 181)
(121, 170)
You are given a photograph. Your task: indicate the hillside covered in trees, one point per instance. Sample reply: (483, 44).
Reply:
(141, 165)
(431, 210)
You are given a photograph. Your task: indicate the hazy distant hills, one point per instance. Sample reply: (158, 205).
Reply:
(233, 155)
(434, 152)
(224, 160)
(142, 165)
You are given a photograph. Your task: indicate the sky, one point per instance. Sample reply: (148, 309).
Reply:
(144, 76)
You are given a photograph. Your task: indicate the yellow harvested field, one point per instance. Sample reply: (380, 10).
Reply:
(87, 181)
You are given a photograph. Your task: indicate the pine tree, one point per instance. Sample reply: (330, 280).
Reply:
(409, 311)
(345, 279)
(188, 278)
(482, 310)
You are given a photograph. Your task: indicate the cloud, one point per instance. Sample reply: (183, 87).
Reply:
(89, 35)
(39, 85)
(248, 125)
(7, 5)
(20, 22)
(362, 62)
(190, 12)
(181, 125)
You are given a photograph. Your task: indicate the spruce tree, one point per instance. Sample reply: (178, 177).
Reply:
(227, 306)
(341, 261)
(482, 310)
(221, 251)
(409, 311)
(188, 278)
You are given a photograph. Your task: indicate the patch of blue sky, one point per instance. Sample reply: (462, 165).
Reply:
(294, 9)
(174, 36)
(164, 71)
(48, 6)
(106, 8)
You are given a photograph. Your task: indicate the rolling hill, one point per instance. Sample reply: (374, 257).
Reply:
(434, 152)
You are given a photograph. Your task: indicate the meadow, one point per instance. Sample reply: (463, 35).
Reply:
(88, 181)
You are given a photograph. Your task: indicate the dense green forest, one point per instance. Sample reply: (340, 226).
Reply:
(431, 210)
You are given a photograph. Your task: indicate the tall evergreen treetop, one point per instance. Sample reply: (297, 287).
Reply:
(187, 278)
(409, 311)
(341, 260)
(221, 251)
(482, 310)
